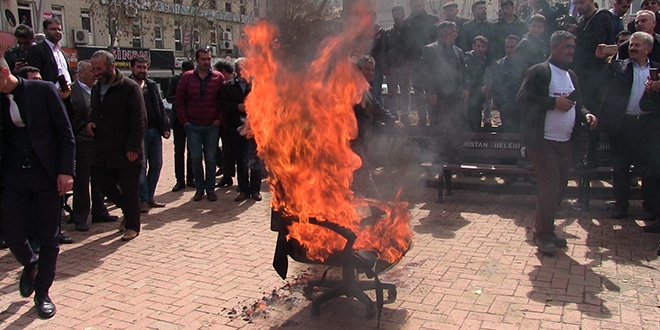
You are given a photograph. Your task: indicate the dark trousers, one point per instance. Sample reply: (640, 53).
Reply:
(179, 153)
(81, 193)
(447, 127)
(228, 158)
(552, 161)
(363, 182)
(248, 165)
(31, 193)
(633, 146)
(121, 185)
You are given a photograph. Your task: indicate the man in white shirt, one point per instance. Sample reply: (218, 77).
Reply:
(632, 127)
(48, 56)
(551, 114)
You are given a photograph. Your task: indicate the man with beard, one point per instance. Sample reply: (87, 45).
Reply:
(158, 125)
(550, 119)
(48, 56)
(117, 124)
(81, 96)
(198, 110)
(651, 5)
(478, 26)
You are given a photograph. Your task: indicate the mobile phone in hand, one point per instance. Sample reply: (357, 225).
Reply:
(64, 85)
(654, 74)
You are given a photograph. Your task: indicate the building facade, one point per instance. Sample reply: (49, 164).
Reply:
(166, 31)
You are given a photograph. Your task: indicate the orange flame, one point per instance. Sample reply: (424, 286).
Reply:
(302, 122)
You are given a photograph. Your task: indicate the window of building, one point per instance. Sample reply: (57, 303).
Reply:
(86, 20)
(243, 7)
(228, 7)
(158, 37)
(196, 42)
(178, 45)
(212, 4)
(25, 14)
(137, 34)
(213, 36)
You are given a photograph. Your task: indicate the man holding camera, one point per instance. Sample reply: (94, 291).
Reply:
(632, 125)
(17, 56)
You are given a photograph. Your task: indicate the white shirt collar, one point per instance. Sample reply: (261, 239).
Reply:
(52, 45)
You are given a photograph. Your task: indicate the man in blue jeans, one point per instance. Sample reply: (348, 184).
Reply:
(158, 124)
(197, 110)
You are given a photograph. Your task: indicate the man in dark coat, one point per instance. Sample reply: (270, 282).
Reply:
(81, 94)
(532, 49)
(248, 165)
(158, 127)
(182, 160)
(508, 24)
(38, 151)
(633, 129)
(446, 83)
(550, 119)
(17, 56)
(478, 26)
(418, 30)
(118, 123)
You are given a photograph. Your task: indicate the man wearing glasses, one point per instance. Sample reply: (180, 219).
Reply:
(17, 56)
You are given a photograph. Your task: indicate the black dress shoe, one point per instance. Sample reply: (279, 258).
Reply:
(82, 227)
(560, 242)
(3, 244)
(198, 195)
(45, 307)
(26, 283)
(257, 197)
(241, 197)
(225, 182)
(546, 246)
(104, 218)
(619, 212)
(652, 228)
(210, 194)
(65, 239)
(178, 186)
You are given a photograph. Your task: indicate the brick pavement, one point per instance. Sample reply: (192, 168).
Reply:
(197, 264)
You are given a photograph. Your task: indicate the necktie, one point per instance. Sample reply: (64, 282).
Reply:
(14, 113)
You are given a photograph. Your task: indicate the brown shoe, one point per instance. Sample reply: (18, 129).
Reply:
(129, 235)
(241, 197)
(153, 203)
(198, 195)
(257, 197)
(144, 207)
(211, 196)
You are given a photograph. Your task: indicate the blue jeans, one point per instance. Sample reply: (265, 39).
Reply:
(153, 154)
(203, 139)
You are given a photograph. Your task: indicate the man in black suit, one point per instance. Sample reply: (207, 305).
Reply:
(38, 151)
(446, 85)
(17, 56)
(645, 22)
(182, 159)
(81, 103)
(118, 124)
(48, 56)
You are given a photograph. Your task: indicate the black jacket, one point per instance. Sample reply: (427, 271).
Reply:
(120, 123)
(48, 126)
(655, 51)
(418, 31)
(163, 123)
(620, 75)
(41, 57)
(445, 77)
(534, 102)
(230, 96)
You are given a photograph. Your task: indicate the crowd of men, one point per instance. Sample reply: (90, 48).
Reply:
(97, 127)
(545, 75)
